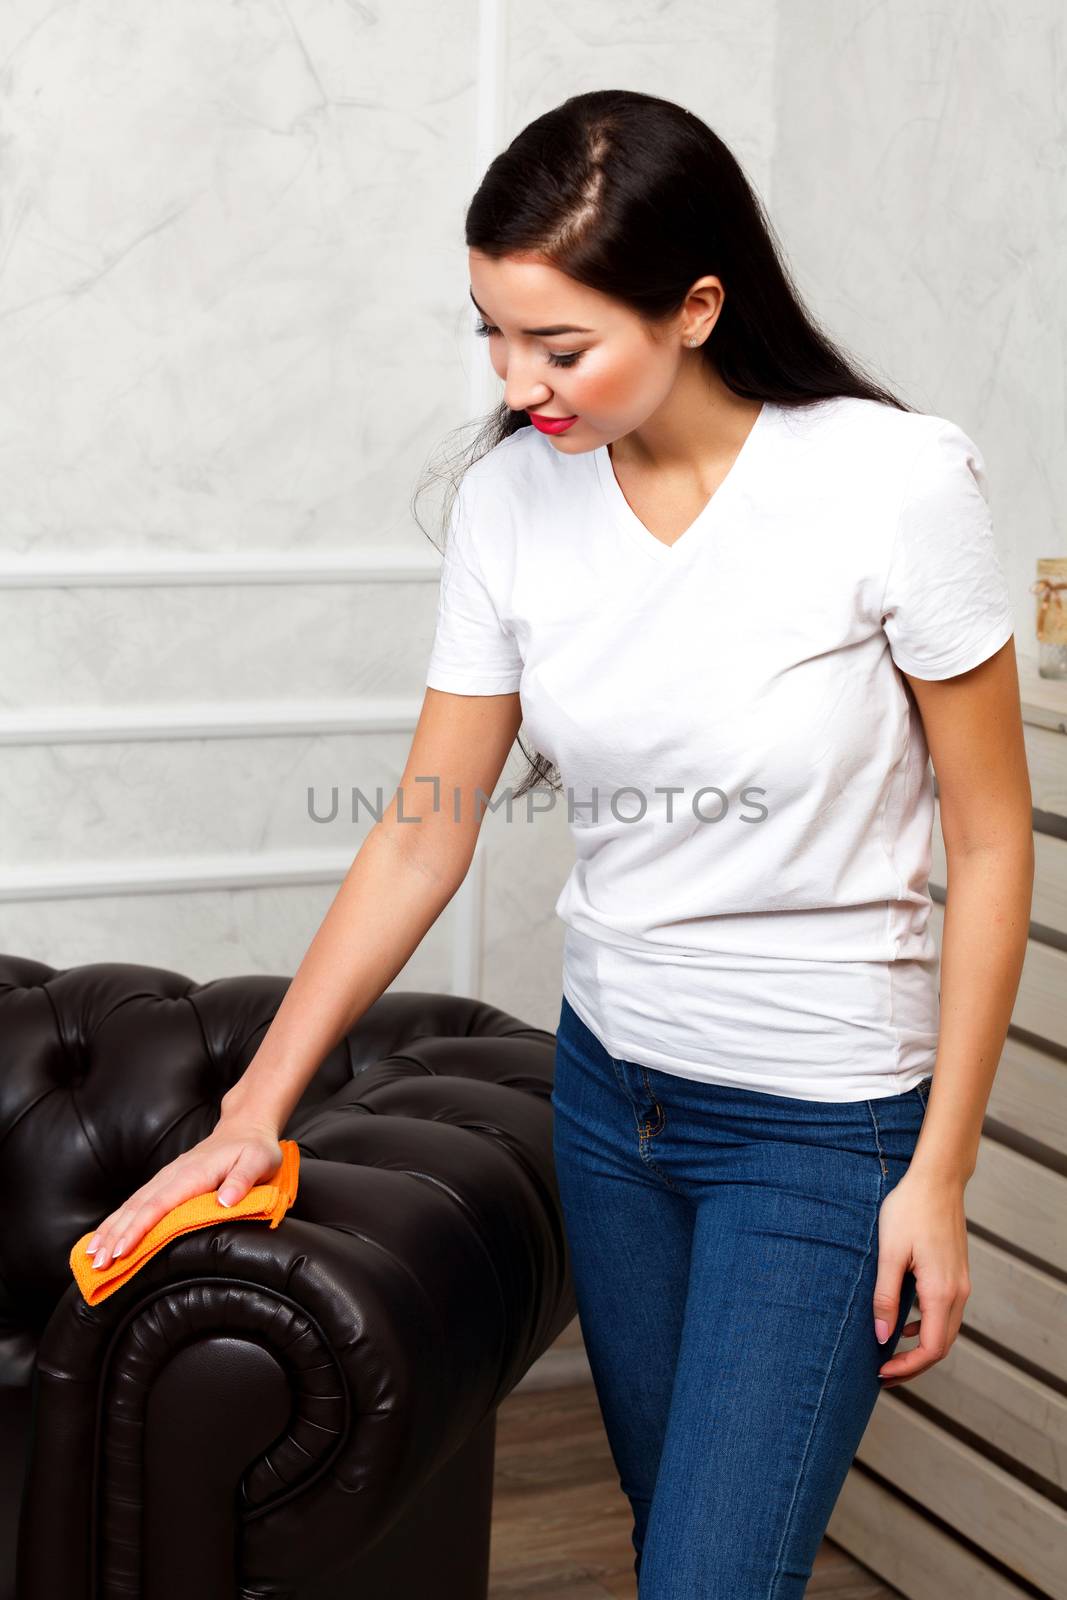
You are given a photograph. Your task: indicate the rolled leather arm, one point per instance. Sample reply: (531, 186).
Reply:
(292, 1390)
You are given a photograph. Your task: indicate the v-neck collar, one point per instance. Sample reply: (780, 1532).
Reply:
(710, 512)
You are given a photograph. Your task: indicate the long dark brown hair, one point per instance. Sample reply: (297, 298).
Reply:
(636, 197)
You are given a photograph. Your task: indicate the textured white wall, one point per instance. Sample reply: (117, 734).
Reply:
(234, 326)
(919, 179)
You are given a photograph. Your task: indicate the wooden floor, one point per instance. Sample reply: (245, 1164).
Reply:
(561, 1524)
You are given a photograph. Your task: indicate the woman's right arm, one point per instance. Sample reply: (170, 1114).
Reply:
(404, 875)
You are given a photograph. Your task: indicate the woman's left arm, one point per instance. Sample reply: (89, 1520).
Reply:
(973, 725)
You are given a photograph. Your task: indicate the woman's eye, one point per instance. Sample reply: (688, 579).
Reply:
(484, 330)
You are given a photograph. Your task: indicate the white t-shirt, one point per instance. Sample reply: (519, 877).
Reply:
(766, 924)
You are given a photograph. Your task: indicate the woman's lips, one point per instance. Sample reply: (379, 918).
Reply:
(551, 424)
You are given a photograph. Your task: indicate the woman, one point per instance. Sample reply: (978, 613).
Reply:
(739, 594)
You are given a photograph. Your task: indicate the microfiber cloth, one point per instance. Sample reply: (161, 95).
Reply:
(264, 1202)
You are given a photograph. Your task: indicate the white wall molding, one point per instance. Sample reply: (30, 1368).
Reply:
(115, 569)
(171, 875)
(209, 719)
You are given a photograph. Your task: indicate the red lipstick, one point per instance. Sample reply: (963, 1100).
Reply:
(550, 424)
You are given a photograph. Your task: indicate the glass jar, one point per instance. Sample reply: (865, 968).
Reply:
(1051, 616)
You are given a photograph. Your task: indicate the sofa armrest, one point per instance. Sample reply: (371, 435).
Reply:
(309, 1379)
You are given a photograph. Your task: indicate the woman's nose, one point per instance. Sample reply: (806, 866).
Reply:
(523, 400)
(521, 393)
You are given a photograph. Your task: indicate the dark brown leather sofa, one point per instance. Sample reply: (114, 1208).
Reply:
(306, 1412)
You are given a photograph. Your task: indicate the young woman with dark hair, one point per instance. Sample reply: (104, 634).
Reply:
(738, 594)
(741, 592)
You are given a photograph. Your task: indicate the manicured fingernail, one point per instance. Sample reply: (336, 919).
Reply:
(91, 1246)
(881, 1330)
(120, 1247)
(100, 1258)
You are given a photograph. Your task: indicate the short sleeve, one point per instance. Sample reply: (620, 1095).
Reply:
(946, 606)
(472, 652)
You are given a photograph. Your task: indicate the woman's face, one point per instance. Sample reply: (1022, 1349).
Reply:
(610, 369)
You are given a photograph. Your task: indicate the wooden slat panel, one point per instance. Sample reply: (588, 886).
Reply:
(1004, 1405)
(1040, 1007)
(1049, 905)
(1024, 1530)
(1021, 1201)
(1014, 1304)
(909, 1551)
(1030, 1094)
(1030, 1089)
(1018, 1306)
(1046, 757)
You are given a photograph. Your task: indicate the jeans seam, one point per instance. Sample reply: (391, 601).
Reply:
(650, 1132)
(657, 1169)
(645, 1132)
(922, 1092)
(877, 1139)
(643, 1129)
(787, 1529)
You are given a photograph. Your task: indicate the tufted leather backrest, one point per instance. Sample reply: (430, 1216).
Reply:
(109, 1070)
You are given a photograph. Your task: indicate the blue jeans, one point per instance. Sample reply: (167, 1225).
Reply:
(723, 1245)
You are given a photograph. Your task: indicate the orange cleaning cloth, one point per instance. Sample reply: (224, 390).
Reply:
(264, 1202)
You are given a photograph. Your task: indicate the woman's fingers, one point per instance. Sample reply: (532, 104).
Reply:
(906, 1332)
(245, 1172)
(236, 1155)
(117, 1227)
(111, 1229)
(941, 1315)
(128, 1226)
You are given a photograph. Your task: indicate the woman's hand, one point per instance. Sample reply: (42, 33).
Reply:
(921, 1226)
(238, 1153)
